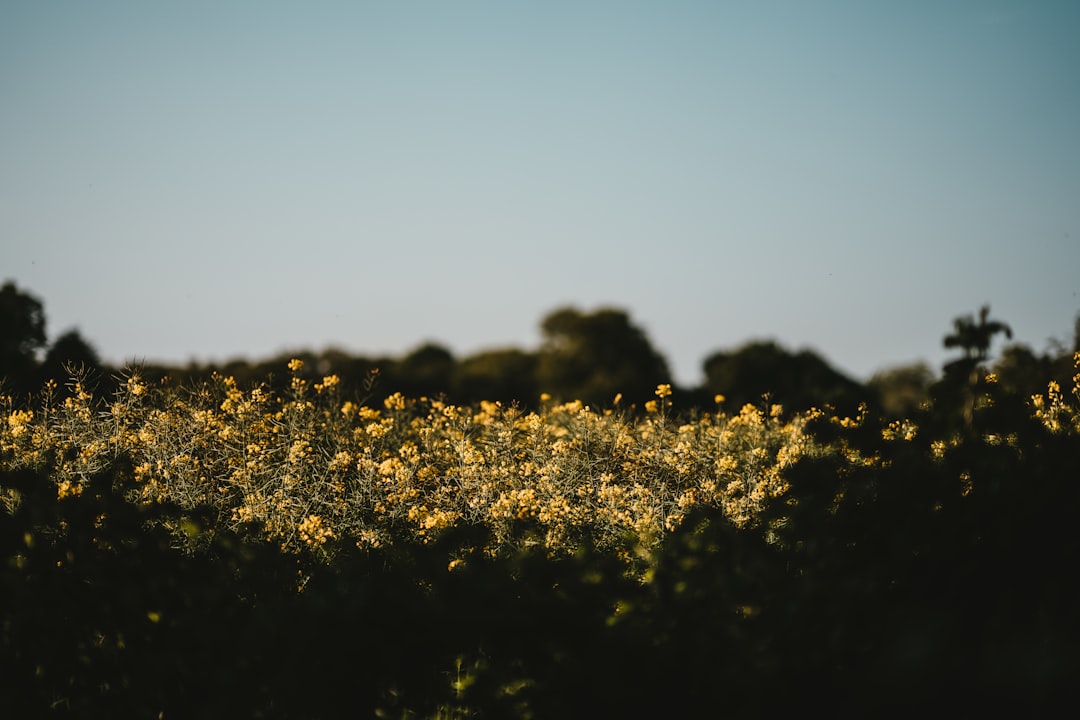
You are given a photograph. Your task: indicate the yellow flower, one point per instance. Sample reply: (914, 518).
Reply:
(663, 390)
(68, 489)
(313, 531)
(135, 386)
(18, 421)
(296, 365)
(718, 399)
(651, 406)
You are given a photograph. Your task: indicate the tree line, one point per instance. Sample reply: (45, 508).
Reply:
(592, 356)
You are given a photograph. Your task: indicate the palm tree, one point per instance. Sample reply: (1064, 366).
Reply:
(974, 338)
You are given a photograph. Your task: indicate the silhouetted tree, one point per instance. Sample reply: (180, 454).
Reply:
(1022, 372)
(594, 356)
(957, 386)
(22, 336)
(974, 338)
(506, 375)
(426, 371)
(70, 355)
(795, 380)
(901, 391)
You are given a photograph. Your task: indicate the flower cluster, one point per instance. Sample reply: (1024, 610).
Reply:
(1054, 410)
(309, 466)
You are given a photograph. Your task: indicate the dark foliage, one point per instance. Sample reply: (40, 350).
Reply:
(798, 380)
(22, 336)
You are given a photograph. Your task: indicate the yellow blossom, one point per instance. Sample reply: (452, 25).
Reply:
(18, 421)
(135, 386)
(68, 489)
(313, 531)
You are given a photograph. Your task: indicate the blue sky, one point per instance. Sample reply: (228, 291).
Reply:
(218, 179)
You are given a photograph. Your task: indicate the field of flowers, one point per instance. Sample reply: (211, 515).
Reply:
(226, 551)
(312, 467)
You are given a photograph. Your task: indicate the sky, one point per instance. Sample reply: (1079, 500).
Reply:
(211, 180)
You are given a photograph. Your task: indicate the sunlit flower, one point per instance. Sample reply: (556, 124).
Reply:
(313, 531)
(18, 422)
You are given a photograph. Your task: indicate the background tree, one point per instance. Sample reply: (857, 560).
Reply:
(902, 390)
(795, 380)
(973, 337)
(427, 371)
(70, 355)
(1022, 372)
(594, 356)
(22, 336)
(507, 375)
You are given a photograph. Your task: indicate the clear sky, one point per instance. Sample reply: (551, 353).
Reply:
(218, 179)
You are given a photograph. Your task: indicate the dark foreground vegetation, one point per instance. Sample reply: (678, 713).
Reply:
(934, 576)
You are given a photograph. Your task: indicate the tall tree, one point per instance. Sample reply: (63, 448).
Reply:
(22, 336)
(957, 388)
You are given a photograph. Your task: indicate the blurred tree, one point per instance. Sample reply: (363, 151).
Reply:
(594, 356)
(1021, 372)
(425, 372)
(795, 380)
(902, 390)
(70, 355)
(956, 389)
(22, 336)
(507, 375)
(974, 338)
